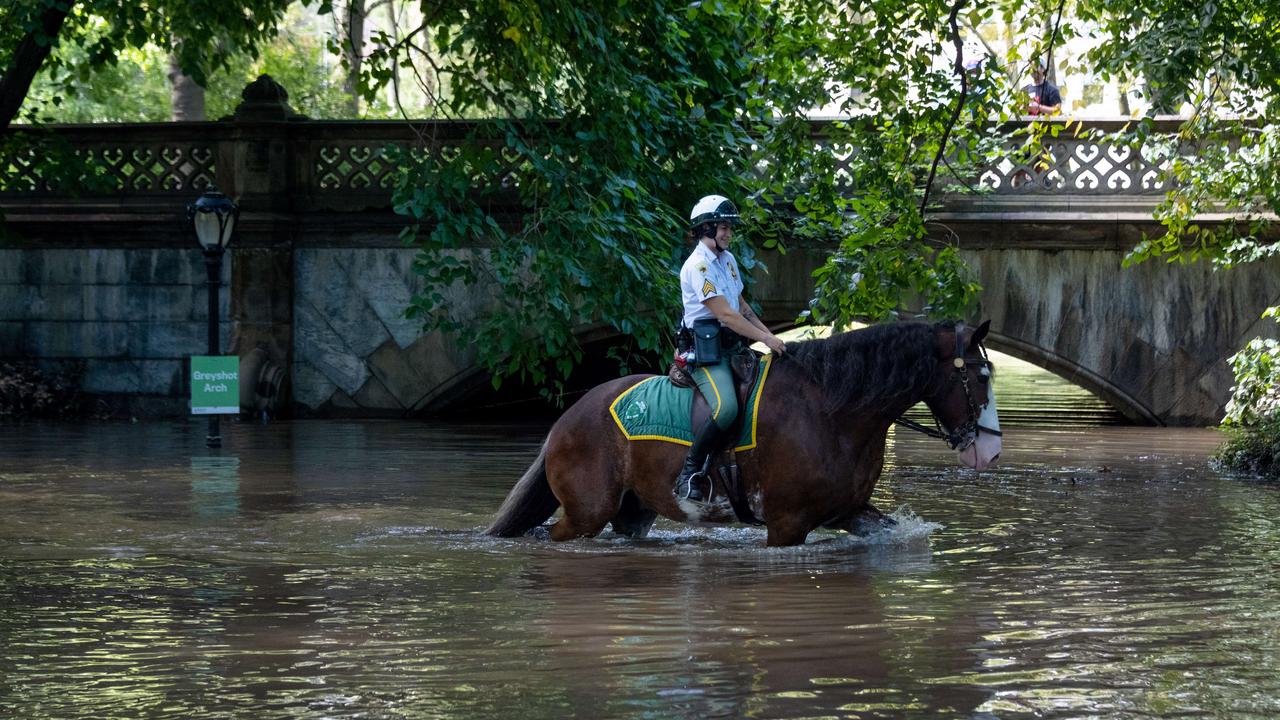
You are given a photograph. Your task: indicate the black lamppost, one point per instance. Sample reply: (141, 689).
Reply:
(213, 217)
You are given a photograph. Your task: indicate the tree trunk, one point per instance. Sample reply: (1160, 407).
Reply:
(186, 97)
(27, 59)
(394, 24)
(354, 48)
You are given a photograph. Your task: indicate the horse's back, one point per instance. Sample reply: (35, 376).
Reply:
(595, 403)
(587, 427)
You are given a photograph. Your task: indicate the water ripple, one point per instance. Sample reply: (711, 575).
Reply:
(326, 570)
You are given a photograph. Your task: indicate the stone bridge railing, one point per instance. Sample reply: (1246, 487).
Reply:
(301, 165)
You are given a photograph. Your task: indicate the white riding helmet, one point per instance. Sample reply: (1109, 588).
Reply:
(714, 208)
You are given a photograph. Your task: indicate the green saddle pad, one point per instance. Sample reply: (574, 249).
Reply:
(654, 409)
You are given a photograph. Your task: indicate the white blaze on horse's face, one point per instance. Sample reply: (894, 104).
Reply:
(983, 451)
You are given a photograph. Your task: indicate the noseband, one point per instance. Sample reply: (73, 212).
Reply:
(967, 433)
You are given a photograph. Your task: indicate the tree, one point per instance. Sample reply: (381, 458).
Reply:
(211, 32)
(186, 97)
(608, 119)
(39, 27)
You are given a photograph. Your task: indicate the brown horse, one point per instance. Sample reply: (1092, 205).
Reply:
(823, 418)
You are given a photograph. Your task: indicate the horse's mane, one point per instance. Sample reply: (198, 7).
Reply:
(871, 367)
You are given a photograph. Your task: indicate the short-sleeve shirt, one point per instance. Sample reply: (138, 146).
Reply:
(705, 276)
(1046, 93)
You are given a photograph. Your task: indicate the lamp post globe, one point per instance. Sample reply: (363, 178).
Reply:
(213, 218)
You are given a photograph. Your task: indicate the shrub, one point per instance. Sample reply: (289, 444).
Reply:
(1253, 414)
(28, 392)
(1254, 449)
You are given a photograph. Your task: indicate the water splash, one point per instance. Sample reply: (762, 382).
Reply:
(910, 529)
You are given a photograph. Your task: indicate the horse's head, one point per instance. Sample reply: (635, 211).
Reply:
(962, 398)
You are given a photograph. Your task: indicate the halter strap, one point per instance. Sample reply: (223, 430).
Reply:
(954, 437)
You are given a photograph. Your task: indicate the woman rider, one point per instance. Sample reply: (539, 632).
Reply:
(711, 288)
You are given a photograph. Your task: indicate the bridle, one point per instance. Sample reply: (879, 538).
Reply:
(966, 434)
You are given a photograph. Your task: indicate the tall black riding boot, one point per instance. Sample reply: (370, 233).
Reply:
(694, 473)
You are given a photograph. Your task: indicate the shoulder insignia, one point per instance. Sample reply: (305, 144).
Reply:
(733, 270)
(701, 267)
(707, 288)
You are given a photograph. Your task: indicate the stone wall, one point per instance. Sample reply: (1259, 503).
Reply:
(125, 320)
(355, 351)
(1152, 340)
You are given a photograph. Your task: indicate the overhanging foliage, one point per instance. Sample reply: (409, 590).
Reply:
(615, 117)
(203, 33)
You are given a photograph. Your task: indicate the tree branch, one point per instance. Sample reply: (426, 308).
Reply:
(1004, 70)
(27, 59)
(958, 66)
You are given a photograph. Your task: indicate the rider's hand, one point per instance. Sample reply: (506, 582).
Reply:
(776, 345)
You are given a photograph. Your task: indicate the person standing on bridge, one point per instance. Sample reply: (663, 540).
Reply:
(718, 316)
(1043, 97)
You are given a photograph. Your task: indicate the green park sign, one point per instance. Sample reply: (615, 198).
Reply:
(215, 384)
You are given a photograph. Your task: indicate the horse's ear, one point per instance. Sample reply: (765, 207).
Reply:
(979, 334)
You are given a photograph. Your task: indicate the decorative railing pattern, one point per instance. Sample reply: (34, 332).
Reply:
(347, 163)
(344, 166)
(155, 168)
(121, 160)
(1078, 166)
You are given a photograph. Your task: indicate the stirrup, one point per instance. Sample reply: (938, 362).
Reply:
(684, 486)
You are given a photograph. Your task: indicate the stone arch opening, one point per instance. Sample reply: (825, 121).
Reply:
(472, 394)
(1072, 372)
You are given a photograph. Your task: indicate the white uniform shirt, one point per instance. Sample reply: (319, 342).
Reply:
(705, 276)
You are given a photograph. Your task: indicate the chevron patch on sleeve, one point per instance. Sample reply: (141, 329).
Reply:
(707, 288)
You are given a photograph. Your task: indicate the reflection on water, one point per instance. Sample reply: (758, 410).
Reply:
(328, 569)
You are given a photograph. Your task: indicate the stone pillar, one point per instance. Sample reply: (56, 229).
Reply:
(257, 169)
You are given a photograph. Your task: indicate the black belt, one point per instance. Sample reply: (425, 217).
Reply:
(728, 338)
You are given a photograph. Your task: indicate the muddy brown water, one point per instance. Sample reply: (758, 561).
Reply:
(326, 569)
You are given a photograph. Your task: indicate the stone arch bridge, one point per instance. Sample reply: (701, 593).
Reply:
(111, 284)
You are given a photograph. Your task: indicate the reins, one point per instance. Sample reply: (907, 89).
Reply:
(913, 425)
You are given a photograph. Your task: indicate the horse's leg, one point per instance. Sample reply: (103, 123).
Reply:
(633, 519)
(790, 529)
(582, 475)
(585, 517)
(869, 521)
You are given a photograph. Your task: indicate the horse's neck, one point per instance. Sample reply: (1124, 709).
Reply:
(882, 414)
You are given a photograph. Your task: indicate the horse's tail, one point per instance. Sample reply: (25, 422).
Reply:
(529, 502)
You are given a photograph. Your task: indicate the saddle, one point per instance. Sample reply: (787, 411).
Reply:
(724, 465)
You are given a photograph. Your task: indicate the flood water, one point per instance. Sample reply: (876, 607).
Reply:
(326, 569)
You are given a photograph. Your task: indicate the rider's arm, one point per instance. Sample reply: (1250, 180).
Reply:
(734, 320)
(749, 315)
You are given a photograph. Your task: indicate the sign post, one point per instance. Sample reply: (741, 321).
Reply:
(215, 384)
